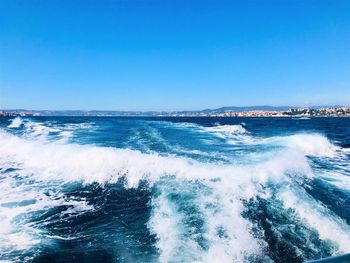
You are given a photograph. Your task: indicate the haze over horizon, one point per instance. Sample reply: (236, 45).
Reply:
(180, 55)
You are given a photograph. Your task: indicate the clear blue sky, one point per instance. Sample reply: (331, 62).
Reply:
(169, 55)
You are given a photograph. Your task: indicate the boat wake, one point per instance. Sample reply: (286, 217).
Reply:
(193, 210)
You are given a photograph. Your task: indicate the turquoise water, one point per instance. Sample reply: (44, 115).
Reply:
(93, 189)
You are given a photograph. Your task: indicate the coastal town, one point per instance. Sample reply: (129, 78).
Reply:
(291, 112)
(5, 113)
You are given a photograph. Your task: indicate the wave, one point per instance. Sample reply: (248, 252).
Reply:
(227, 129)
(217, 128)
(48, 130)
(312, 144)
(200, 228)
(22, 197)
(41, 161)
(73, 162)
(15, 123)
(328, 225)
(233, 134)
(339, 180)
(308, 144)
(212, 193)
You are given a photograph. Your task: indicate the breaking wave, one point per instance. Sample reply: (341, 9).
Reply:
(15, 123)
(227, 129)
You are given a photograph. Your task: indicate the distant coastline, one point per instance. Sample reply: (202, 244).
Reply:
(250, 111)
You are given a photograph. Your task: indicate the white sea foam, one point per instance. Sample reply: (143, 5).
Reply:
(218, 129)
(47, 130)
(310, 144)
(227, 242)
(166, 223)
(49, 161)
(339, 180)
(222, 131)
(18, 199)
(15, 123)
(328, 225)
(38, 129)
(66, 134)
(218, 207)
(72, 162)
(43, 161)
(231, 133)
(227, 129)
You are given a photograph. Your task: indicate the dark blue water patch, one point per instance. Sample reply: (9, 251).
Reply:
(96, 256)
(114, 231)
(345, 145)
(288, 239)
(337, 259)
(266, 127)
(8, 170)
(335, 199)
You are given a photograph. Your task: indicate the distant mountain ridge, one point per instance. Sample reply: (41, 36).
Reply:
(266, 108)
(248, 108)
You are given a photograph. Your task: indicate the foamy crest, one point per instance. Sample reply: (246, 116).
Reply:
(47, 130)
(15, 123)
(311, 144)
(337, 179)
(236, 132)
(72, 162)
(227, 129)
(233, 134)
(328, 225)
(38, 129)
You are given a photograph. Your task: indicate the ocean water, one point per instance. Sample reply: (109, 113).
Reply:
(95, 189)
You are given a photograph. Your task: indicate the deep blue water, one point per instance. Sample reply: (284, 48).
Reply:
(94, 189)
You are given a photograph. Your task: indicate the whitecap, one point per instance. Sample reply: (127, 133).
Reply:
(15, 123)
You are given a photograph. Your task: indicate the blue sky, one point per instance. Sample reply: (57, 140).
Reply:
(171, 55)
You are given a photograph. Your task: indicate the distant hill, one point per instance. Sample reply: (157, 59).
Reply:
(162, 113)
(247, 108)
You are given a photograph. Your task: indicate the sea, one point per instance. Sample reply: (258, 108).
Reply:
(174, 189)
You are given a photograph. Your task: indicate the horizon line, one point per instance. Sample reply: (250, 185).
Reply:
(203, 109)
